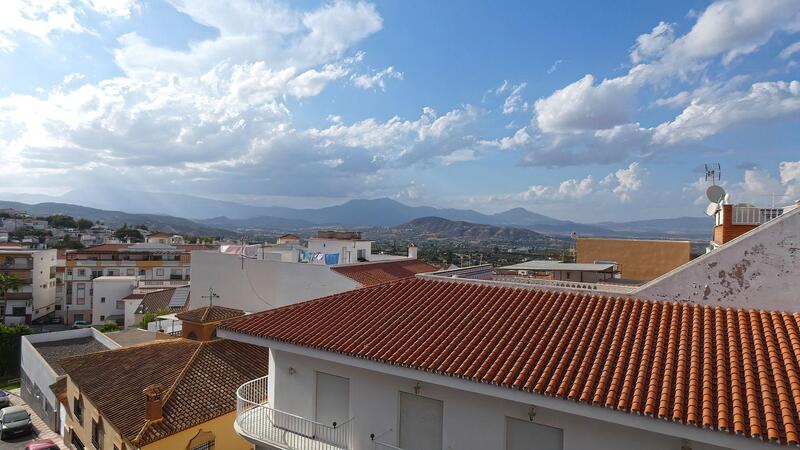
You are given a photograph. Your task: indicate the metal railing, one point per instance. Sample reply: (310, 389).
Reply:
(384, 446)
(278, 428)
(750, 215)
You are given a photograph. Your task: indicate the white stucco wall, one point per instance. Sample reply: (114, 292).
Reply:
(347, 249)
(471, 421)
(113, 289)
(131, 305)
(760, 269)
(44, 287)
(261, 284)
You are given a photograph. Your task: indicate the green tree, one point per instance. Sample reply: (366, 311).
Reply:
(10, 347)
(109, 327)
(84, 224)
(8, 282)
(151, 316)
(61, 221)
(125, 232)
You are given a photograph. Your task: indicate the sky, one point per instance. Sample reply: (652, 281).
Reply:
(581, 110)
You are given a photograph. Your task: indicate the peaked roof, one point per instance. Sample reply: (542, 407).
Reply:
(730, 370)
(370, 274)
(209, 314)
(199, 379)
(157, 300)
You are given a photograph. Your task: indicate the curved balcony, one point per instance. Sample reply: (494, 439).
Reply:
(260, 424)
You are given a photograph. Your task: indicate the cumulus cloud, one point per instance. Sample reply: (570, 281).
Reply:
(377, 79)
(624, 182)
(41, 19)
(578, 123)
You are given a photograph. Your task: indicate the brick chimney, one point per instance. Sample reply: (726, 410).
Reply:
(155, 402)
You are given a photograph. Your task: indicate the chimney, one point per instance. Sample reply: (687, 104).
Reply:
(155, 402)
(412, 251)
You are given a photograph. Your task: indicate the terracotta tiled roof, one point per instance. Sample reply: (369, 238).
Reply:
(59, 388)
(210, 314)
(133, 296)
(199, 379)
(730, 370)
(381, 272)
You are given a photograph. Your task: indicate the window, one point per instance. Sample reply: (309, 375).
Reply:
(160, 272)
(102, 299)
(81, 272)
(96, 435)
(102, 318)
(80, 293)
(77, 442)
(97, 273)
(77, 409)
(113, 272)
(69, 272)
(176, 274)
(129, 272)
(77, 317)
(142, 272)
(120, 304)
(18, 311)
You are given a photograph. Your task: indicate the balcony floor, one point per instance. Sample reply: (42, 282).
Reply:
(274, 436)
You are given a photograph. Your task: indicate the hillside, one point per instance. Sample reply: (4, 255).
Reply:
(438, 228)
(117, 218)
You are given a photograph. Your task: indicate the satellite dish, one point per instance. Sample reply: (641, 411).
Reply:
(715, 193)
(711, 209)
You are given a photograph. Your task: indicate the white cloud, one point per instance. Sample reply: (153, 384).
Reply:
(74, 76)
(577, 122)
(790, 50)
(555, 65)
(575, 189)
(625, 181)
(514, 102)
(41, 19)
(652, 45)
(707, 117)
(377, 79)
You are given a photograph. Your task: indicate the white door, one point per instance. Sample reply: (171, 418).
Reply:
(420, 422)
(333, 399)
(524, 435)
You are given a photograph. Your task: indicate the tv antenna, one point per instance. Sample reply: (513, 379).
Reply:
(211, 296)
(713, 173)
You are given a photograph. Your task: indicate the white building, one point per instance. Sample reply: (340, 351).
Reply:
(109, 295)
(36, 269)
(428, 364)
(259, 284)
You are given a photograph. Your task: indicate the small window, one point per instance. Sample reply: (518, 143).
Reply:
(77, 317)
(81, 272)
(129, 272)
(18, 311)
(77, 409)
(76, 442)
(102, 299)
(102, 318)
(120, 304)
(160, 272)
(96, 434)
(142, 272)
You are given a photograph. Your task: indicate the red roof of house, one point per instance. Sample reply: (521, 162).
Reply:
(381, 272)
(730, 370)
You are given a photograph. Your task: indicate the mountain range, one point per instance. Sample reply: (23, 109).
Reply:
(186, 212)
(437, 228)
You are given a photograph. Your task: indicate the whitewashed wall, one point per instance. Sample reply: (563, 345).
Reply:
(261, 284)
(760, 269)
(471, 421)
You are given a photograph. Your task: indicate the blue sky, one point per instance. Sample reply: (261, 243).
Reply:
(581, 110)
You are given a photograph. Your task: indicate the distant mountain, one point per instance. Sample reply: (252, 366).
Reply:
(691, 227)
(261, 223)
(438, 228)
(117, 218)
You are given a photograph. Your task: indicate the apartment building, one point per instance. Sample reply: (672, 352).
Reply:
(426, 363)
(148, 262)
(35, 299)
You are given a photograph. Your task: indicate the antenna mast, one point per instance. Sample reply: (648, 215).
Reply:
(211, 296)
(713, 172)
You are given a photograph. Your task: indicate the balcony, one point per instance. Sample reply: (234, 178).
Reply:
(258, 423)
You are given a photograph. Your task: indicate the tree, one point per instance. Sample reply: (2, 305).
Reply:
(151, 316)
(8, 282)
(61, 221)
(10, 347)
(124, 233)
(84, 224)
(109, 327)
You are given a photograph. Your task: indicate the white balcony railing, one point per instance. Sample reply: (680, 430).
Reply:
(257, 421)
(384, 446)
